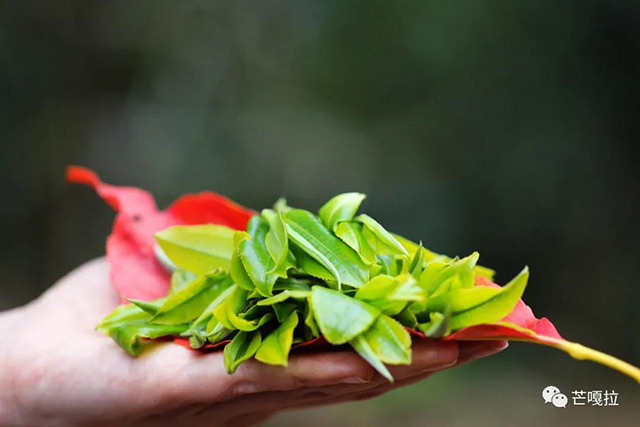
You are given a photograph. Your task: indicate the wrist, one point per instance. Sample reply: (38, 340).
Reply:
(8, 409)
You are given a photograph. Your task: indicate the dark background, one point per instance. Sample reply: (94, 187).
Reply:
(506, 127)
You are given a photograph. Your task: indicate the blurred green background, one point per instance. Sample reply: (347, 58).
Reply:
(507, 127)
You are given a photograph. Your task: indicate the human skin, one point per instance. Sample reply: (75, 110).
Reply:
(56, 370)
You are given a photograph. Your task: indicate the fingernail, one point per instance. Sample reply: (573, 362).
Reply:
(244, 387)
(478, 349)
(501, 344)
(493, 347)
(354, 380)
(439, 366)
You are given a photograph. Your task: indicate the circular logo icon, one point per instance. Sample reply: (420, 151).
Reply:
(549, 392)
(559, 400)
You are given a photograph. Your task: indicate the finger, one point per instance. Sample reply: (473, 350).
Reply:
(316, 379)
(362, 392)
(315, 370)
(329, 395)
(307, 370)
(342, 367)
(367, 393)
(427, 356)
(190, 377)
(423, 366)
(177, 376)
(184, 376)
(468, 351)
(472, 350)
(258, 405)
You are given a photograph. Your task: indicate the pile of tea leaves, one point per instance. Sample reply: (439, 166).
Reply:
(294, 276)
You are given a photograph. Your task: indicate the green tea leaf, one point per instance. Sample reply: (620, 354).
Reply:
(255, 256)
(164, 260)
(265, 319)
(198, 248)
(243, 346)
(275, 348)
(310, 323)
(485, 272)
(227, 311)
(277, 241)
(292, 284)
(262, 315)
(408, 289)
(188, 304)
(122, 314)
(308, 265)
(494, 308)
(180, 279)
(216, 332)
(412, 248)
(313, 238)
(439, 325)
(342, 207)
(237, 270)
(283, 296)
(196, 341)
(417, 263)
(391, 294)
(430, 275)
(200, 324)
(255, 312)
(381, 239)
(385, 305)
(440, 278)
(283, 310)
(255, 295)
(150, 307)
(340, 317)
(351, 233)
(459, 300)
(391, 265)
(386, 263)
(128, 335)
(390, 341)
(281, 205)
(407, 318)
(375, 270)
(363, 348)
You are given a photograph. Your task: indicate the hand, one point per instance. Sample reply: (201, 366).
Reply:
(57, 370)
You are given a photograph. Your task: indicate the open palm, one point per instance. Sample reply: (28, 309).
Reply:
(57, 370)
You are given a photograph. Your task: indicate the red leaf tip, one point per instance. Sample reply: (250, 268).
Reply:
(81, 175)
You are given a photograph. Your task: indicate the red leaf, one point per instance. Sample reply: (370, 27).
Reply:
(521, 316)
(135, 271)
(210, 208)
(522, 325)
